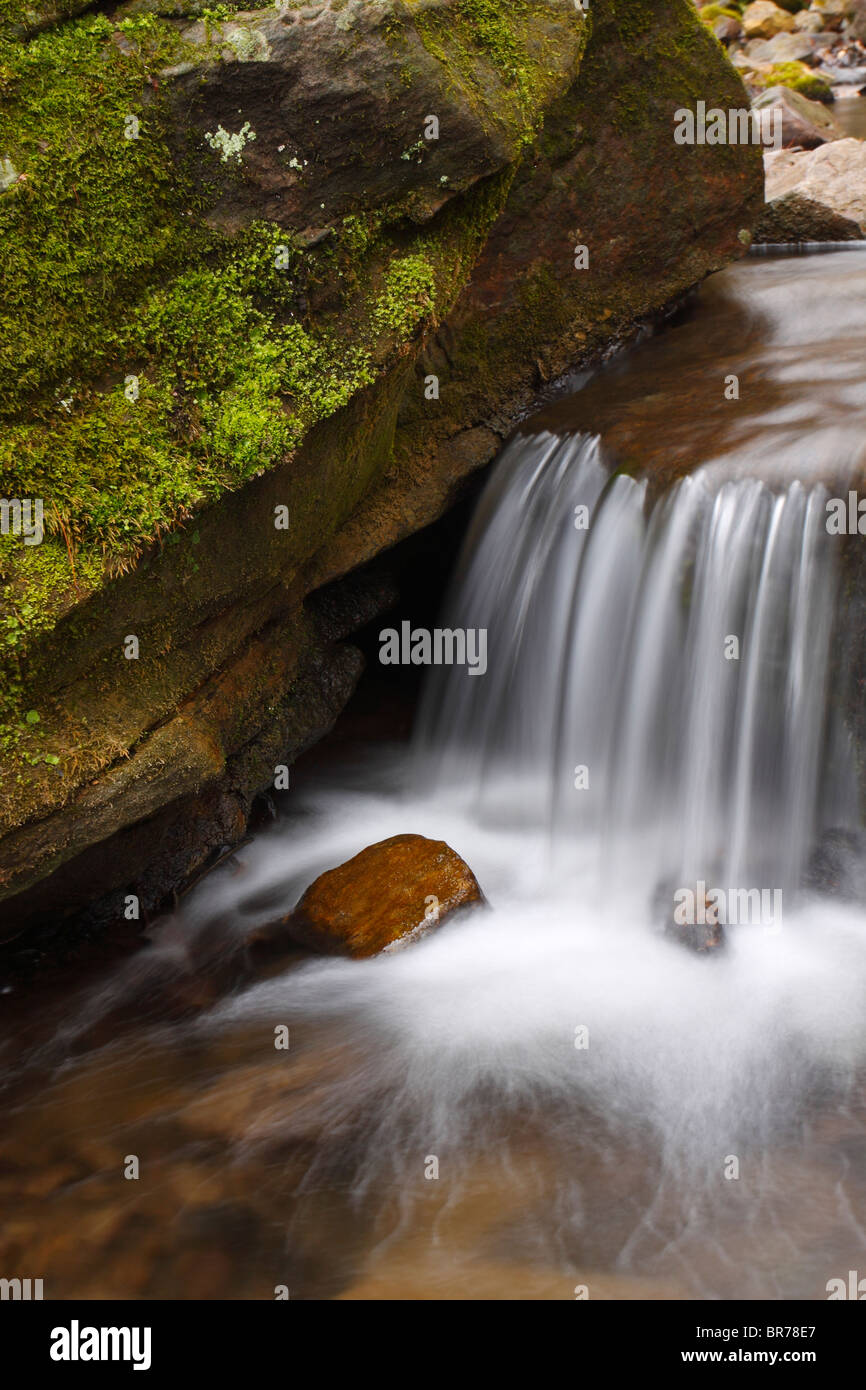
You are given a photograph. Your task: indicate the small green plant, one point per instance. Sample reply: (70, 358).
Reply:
(409, 295)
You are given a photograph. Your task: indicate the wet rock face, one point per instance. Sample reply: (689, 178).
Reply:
(452, 258)
(837, 867)
(388, 895)
(693, 922)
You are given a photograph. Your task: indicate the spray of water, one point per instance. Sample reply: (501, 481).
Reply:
(559, 1048)
(565, 1008)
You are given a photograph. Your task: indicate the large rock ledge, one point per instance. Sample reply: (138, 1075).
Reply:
(555, 130)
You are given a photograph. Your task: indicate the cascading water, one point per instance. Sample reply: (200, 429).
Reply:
(658, 684)
(584, 1083)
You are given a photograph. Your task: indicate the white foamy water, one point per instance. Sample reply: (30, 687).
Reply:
(603, 1104)
(459, 1045)
(607, 649)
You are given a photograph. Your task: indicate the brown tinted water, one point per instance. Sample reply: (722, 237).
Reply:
(790, 329)
(432, 1131)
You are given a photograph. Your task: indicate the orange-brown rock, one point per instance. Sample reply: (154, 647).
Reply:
(390, 892)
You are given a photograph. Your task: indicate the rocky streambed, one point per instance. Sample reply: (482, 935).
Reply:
(805, 69)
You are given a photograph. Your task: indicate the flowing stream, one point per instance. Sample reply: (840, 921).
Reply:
(609, 1111)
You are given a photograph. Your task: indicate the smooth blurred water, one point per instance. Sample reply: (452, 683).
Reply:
(680, 659)
(586, 1085)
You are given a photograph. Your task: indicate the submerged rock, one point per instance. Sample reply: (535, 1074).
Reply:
(691, 921)
(794, 218)
(837, 866)
(390, 894)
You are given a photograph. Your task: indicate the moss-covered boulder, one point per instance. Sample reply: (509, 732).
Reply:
(238, 247)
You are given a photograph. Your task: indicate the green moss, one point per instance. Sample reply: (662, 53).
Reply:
(683, 52)
(358, 232)
(469, 29)
(224, 385)
(494, 34)
(409, 295)
(147, 363)
(157, 364)
(93, 213)
(37, 584)
(24, 18)
(798, 77)
(710, 13)
(19, 18)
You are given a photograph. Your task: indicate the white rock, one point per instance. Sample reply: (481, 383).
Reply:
(834, 174)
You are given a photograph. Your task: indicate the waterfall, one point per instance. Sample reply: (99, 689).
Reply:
(659, 677)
